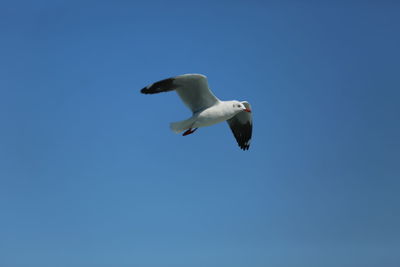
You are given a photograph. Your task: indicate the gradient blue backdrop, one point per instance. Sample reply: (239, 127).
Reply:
(91, 175)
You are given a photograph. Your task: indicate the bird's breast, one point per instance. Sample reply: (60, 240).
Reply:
(212, 116)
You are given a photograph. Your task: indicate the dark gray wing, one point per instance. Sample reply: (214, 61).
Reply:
(242, 127)
(192, 89)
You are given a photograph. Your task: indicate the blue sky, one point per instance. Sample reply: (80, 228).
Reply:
(91, 175)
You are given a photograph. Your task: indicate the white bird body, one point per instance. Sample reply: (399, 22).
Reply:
(206, 107)
(217, 113)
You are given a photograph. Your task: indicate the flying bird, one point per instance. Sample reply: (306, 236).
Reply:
(207, 109)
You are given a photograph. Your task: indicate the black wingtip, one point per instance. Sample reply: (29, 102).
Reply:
(165, 85)
(243, 136)
(244, 147)
(144, 91)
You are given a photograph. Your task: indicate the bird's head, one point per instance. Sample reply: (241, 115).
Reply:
(239, 106)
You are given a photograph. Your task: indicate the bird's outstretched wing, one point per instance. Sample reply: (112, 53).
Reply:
(242, 127)
(192, 89)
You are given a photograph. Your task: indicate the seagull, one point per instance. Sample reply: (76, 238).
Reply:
(206, 108)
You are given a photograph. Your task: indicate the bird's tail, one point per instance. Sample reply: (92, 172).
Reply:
(180, 126)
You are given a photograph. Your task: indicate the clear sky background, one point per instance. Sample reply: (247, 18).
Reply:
(91, 175)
